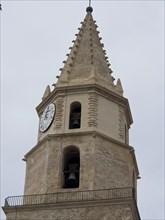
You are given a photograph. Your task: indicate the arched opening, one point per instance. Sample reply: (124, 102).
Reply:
(71, 167)
(75, 115)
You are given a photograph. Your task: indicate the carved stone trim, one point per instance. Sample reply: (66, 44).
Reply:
(121, 123)
(93, 110)
(59, 112)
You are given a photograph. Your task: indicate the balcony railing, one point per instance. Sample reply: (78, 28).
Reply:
(64, 197)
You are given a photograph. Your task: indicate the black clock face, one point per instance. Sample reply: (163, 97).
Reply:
(47, 117)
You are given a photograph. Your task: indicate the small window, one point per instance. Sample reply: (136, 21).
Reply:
(71, 167)
(75, 115)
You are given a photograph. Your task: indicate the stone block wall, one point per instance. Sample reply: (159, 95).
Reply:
(97, 212)
(113, 165)
(103, 164)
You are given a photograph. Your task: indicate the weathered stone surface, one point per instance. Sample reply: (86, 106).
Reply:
(106, 212)
(87, 63)
(100, 112)
(103, 163)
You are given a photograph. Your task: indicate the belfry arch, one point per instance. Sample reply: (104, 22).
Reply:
(71, 167)
(75, 115)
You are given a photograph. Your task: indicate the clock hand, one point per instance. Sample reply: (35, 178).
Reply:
(46, 114)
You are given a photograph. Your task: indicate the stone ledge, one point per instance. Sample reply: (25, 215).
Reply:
(80, 133)
(84, 204)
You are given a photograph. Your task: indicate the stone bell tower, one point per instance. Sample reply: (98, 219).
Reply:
(82, 166)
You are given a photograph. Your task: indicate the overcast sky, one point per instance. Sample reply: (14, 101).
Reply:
(35, 38)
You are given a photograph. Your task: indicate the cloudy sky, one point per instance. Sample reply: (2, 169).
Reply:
(35, 38)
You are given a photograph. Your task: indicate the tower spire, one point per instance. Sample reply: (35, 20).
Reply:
(87, 62)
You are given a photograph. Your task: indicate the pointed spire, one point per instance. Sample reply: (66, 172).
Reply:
(47, 92)
(119, 87)
(87, 62)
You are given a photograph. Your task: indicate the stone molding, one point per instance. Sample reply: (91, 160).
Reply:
(121, 123)
(83, 133)
(59, 112)
(122, 202)
(93, 110)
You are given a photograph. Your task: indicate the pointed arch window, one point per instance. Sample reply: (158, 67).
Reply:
(71, 167)
(75, 115)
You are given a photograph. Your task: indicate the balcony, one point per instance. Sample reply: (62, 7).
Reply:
(66, 197)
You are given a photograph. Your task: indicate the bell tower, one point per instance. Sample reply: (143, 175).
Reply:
(82, 166)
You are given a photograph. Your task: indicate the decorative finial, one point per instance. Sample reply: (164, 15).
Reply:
(89, 9)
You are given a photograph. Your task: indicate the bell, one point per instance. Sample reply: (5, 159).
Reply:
(71, 181)
(76, 123)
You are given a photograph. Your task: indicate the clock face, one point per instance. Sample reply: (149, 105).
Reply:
(47, 117)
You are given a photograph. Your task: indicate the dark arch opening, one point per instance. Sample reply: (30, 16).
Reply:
(71, 167)
(75, 115)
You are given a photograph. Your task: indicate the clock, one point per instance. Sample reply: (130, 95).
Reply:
(47, 117)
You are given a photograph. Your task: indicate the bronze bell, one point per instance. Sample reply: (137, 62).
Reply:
(76, 123)
(72, 180)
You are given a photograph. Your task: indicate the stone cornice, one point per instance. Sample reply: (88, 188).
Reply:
(78, 204)
(89, 133)
(135, 163)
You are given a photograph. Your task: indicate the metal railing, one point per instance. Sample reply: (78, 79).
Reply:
(64, 197)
